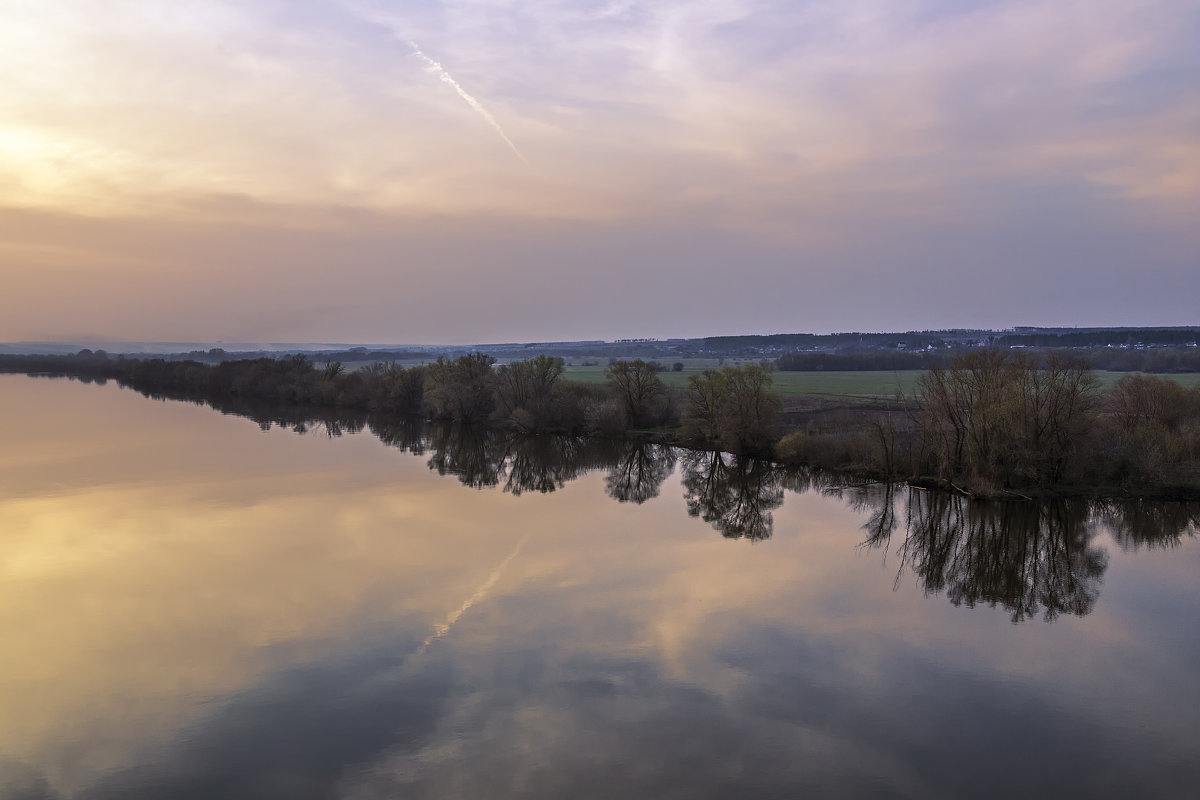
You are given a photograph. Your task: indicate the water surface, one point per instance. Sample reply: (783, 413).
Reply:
(195, 607)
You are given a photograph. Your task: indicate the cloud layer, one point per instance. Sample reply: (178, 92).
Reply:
(841, 151)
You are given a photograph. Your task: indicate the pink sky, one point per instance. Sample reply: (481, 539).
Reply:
(484, 171)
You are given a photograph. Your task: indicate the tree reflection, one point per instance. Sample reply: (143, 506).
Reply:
(879, 499)
(1153, 524)
(1025, 558)
(481, 457)
(735, 494)
(800, 480)
(406, 433)
(299, 419)
(639, 472)
(1029, 558)
(473, 453)
(542, 463)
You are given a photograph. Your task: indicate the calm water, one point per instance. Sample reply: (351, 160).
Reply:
(194, 607)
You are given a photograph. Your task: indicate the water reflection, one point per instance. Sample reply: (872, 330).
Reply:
(200, 610)
(330, 421)
(474, 455)
(1029, 558)
(1025, 558)
(406, 433)
(483, 457)
(639, 472)
(735, 494)
(1149, 524)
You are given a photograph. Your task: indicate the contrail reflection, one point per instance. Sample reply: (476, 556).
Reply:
(443, 627)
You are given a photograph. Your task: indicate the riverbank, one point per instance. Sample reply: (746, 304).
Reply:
(994, 427)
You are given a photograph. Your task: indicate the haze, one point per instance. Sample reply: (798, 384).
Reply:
(487, 171)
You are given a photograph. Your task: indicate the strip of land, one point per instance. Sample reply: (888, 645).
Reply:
(991, 423)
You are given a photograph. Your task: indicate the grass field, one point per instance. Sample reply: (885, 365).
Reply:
(810, 384)
(1185, 379)
(834, 384)
(788, 384)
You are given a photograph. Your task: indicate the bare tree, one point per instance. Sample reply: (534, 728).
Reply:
(733, 407)
(645, 396)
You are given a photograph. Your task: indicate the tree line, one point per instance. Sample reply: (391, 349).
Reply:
(1177, 359)
(989, 423)
(1102, 338)
(1006, 423)
(861, 361)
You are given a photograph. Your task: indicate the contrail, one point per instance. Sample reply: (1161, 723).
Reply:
(440, 71)
(443, 627)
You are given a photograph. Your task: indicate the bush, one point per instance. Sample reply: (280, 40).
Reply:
(793, 448)
(606, 418)
(733, 407)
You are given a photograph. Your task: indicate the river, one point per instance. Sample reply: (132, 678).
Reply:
(197, 604)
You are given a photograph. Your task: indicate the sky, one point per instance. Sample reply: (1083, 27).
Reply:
(494, 170)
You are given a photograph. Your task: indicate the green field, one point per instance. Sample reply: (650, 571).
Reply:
(1185, 379)
(788, 384)
(805, 384)
(833, 384)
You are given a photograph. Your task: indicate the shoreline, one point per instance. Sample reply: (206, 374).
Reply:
(867, 445)
(301, 414)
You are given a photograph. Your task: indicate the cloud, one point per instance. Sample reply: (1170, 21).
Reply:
(788, 129)
(633, 106)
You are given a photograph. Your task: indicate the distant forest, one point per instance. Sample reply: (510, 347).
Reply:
(1114, 359)
(1102, 338)
(1117, 349)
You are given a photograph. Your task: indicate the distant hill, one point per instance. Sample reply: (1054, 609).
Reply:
(848, 350)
